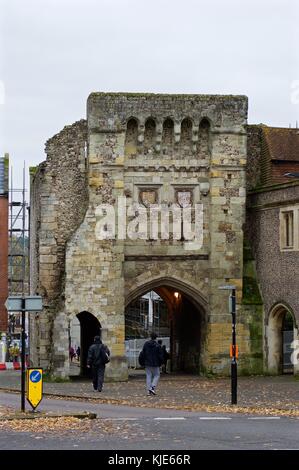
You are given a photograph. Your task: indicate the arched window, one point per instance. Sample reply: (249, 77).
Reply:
(203, 149)
(131, 137)
(149, 135)
(168, 137)
(186, 134)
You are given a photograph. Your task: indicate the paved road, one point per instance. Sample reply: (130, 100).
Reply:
(148, 428)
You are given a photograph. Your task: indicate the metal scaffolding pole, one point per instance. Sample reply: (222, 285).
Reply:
(18, 252)
(18, 231)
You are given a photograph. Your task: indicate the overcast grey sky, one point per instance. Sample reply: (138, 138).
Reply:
(53, 53)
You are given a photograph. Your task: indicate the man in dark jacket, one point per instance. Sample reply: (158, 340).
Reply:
(153, 358)
(98, 356)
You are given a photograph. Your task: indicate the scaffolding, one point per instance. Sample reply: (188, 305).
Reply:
(18, 253)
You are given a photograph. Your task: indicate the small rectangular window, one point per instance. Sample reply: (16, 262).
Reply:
(288, 228)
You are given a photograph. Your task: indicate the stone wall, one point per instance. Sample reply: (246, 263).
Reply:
(277, 270)
(162, 143)
(141, 145)
(254, 155)
(58, 205)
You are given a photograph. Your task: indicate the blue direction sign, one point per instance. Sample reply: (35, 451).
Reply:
(35, 376)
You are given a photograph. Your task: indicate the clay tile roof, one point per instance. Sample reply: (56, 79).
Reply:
(282, 143)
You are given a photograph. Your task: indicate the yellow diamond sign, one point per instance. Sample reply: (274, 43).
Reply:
(34, 386)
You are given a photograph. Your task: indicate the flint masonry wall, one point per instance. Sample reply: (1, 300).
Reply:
(272, 272)
(277, 269)
(58, 204)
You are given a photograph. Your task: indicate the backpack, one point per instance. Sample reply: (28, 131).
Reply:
(141, 358)
(104, 355)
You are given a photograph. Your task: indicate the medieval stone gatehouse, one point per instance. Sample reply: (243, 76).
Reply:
(154, 150)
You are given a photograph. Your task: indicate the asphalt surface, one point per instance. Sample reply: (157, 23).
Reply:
(155, 429)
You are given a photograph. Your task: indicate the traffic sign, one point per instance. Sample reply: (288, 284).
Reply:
(33, 303)
(234, 351)
(34, 386)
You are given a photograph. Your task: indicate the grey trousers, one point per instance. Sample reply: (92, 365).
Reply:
(152, 377)
(98, 377)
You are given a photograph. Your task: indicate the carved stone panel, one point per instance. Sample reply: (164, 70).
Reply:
(148, 196)
(184, 197)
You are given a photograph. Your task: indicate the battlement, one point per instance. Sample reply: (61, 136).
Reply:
(112, 111)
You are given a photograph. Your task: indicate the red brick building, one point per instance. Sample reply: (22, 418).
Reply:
(4, 165)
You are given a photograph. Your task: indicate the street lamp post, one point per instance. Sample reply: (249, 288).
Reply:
(234, 367)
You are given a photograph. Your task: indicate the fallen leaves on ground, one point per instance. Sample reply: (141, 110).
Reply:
(6, 411)
(69, 426)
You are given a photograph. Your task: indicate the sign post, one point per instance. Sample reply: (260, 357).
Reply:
(234, 347)
(23, 304)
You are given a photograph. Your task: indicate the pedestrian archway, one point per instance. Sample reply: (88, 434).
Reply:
(281, 332)
(89, 328)
(177, 318)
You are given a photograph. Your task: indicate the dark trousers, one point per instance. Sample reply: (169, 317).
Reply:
(98, 377)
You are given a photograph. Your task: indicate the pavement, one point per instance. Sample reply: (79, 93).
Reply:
(120, 427)
(259, 394)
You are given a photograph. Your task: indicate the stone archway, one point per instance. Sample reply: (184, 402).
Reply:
(279, 336)
(140, 288)
(187, 321)
(89, 328)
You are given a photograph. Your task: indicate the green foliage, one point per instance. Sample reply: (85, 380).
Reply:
(251, 292)
(247, 254)
(32, 170)
(254, 366)
(208, 372)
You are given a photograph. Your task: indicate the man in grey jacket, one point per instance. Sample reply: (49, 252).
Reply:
(152, 358)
